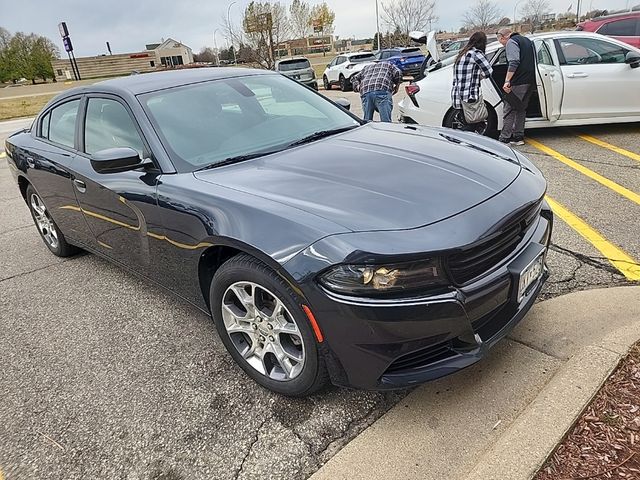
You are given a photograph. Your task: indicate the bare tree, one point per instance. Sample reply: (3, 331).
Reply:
(482, 15)
(408, 15)
(265, 25)
(534, 11)
(300, 16)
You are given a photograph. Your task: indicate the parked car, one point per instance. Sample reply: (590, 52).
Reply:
(407, 59)
(343, 67)
(582, 78)
(372, 255)
(300, 69)
(623, 26)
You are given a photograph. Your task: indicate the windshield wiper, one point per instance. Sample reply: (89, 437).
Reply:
(320, 134)
(237, 159)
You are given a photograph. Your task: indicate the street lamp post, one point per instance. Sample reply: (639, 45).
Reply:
(515, 11)
(378, 27)
(235, 61)
(215, 46)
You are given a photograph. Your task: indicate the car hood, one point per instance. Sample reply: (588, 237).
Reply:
(378, 176)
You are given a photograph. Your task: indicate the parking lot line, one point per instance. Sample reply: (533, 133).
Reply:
(619, 259)
(625, 192)
(608, 146)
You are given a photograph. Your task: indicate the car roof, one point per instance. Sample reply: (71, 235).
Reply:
(615, 16)
(149, 82)
(351, 54)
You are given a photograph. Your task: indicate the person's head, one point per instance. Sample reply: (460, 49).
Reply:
(503, 35)
(478, 40)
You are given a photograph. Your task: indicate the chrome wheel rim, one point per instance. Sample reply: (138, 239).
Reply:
(263, 331)
(44, 222)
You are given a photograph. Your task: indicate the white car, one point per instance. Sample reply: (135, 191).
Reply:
(582, 78)
(343, 67)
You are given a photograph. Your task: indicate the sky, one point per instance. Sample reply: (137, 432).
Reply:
(130, 24)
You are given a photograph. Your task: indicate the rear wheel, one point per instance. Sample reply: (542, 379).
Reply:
(49, 231)
(326, 84)
(345, 84)
(455, 119)
(261, 323)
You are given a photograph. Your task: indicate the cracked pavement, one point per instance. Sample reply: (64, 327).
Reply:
(104, 376)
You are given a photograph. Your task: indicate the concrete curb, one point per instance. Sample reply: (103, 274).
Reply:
(524, 447)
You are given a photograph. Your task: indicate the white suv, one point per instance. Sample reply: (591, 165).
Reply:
(342, 68)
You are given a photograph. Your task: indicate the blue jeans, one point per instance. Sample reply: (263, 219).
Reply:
(380, 101)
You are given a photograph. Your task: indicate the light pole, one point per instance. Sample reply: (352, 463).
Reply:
(215, 46)
(235, 61)
(378, 27)
(515, 11)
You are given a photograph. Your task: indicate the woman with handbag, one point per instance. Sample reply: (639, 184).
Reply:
(471, 66)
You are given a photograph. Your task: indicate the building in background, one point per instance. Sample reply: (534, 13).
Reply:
(168, 54)
(305, 46)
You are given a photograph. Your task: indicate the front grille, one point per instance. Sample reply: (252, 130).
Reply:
(479, 259)
(420, 358)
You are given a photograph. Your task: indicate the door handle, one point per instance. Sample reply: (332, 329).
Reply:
(31, 162)
(80, 185)
(578, 75)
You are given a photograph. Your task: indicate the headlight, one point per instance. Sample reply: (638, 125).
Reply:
(379, 280)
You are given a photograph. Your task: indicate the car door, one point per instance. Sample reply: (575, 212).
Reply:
(49, 167)
(550, 82)
(117, 206)
(334, 72)
(597, 81)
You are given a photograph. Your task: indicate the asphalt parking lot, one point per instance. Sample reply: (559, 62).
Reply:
(105, 376)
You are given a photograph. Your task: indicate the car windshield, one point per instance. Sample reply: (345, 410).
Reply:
(288, 65)
(361, 58)
(220, 120)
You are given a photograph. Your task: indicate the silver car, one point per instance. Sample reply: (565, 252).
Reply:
(299, 69)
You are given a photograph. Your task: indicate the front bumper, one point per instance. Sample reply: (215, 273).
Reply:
(378, 345)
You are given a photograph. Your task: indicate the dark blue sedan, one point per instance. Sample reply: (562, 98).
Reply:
(325, 248)
(408, 60)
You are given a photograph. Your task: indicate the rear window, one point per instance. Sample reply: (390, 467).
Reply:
(289, 65)
(413, 50)
(620, 28)
(361, 58)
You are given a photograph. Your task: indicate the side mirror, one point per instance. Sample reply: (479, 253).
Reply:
(343, 102)
(633, 59)
(115, 160)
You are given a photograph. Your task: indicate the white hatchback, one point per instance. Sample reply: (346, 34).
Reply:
(343, 67)
(582, 78)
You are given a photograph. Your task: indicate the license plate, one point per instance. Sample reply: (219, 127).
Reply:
(530, 275)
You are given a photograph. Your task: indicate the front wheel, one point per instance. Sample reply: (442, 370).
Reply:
(325, 82)
(47, 228)
(261, 323)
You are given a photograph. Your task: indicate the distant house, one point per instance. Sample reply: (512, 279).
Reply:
(171, 53)
(167, 54)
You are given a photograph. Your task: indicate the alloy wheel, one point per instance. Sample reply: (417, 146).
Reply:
(263, 331)
(325, 82)
(44, 222)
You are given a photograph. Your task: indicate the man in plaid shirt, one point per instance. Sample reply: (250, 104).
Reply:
(376, 83)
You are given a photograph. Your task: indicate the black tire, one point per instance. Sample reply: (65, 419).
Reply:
(48, 230)
(345, 84)
(326, 83)
(454, 119)
(244, 268)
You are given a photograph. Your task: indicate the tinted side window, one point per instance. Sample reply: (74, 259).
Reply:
(62, 123)
(586, 51)
(620, 28)
(109, 125)
(340, 60)
(544, 55)
(44, 126)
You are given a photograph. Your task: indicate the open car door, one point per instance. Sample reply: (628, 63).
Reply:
(549, 80)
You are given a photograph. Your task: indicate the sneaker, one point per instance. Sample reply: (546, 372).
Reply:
(504, 140)
(517, 142)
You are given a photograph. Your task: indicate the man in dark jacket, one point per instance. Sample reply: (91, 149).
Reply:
(521, 80)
